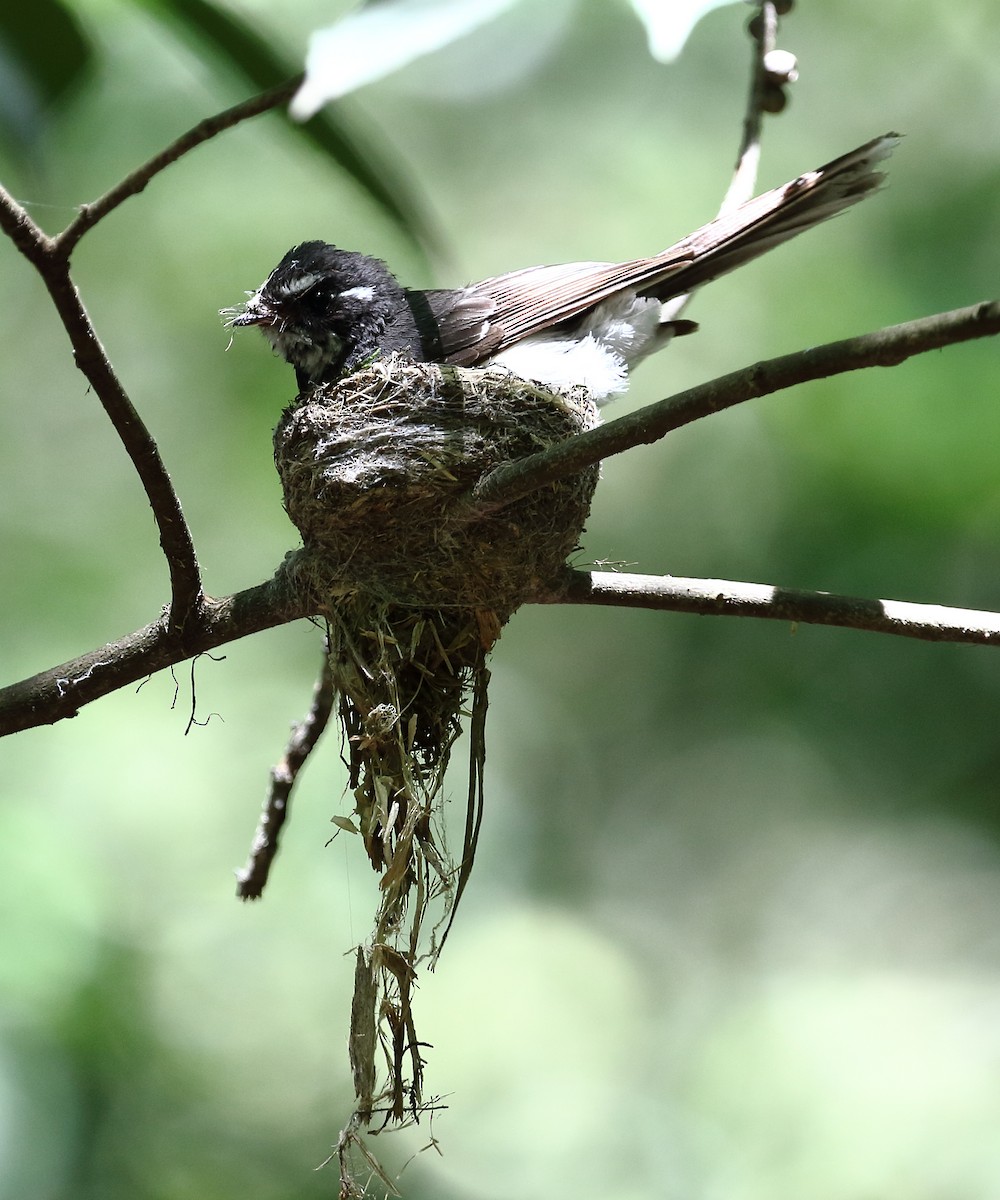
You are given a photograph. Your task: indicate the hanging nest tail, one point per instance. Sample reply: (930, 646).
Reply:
(373, 468)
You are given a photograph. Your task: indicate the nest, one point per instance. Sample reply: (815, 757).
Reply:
(376, 471)
(372, 468)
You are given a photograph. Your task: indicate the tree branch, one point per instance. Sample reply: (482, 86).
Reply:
(62, 691)
(724, 598)
(884, 348)
(252, 879)
(763, 32)
(33, 243)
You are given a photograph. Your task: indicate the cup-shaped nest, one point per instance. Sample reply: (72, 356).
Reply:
(373, 468)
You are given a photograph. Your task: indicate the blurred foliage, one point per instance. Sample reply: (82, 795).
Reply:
(44, 52)
(732, 929)
(44, 55)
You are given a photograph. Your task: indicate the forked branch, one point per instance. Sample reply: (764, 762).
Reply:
(51, 258)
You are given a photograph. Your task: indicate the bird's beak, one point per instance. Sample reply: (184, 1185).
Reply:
(255, 312)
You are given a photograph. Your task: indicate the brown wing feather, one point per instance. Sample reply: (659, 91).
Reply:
(489, 316)
(463, 320)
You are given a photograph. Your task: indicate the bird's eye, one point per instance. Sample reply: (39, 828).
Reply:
(319, 296)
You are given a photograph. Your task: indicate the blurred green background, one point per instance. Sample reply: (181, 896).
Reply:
(733, 929)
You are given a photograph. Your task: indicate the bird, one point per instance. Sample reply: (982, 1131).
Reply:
(330, 312)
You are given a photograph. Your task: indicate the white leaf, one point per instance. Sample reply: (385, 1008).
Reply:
(381, 38)
(669, 23)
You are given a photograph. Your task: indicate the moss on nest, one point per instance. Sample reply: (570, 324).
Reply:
(372, 466)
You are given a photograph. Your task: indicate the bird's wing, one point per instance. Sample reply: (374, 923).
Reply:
(479, 321)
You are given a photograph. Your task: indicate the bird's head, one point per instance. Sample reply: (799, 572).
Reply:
(322, 309)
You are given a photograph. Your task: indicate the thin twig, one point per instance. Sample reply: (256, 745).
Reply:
(725, 598)
(136, 181)
(763, 32)
(744, 181)
(884, 348)
(250, 882)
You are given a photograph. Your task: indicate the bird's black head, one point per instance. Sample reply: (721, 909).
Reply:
(324, 310)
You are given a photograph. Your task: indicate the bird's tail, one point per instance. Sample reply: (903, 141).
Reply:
(768, 220)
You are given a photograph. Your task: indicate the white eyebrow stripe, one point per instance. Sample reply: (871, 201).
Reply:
(301, 283)
(359, 293)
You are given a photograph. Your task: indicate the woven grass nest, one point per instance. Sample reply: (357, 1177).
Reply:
(371, 468)
(374, 470)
